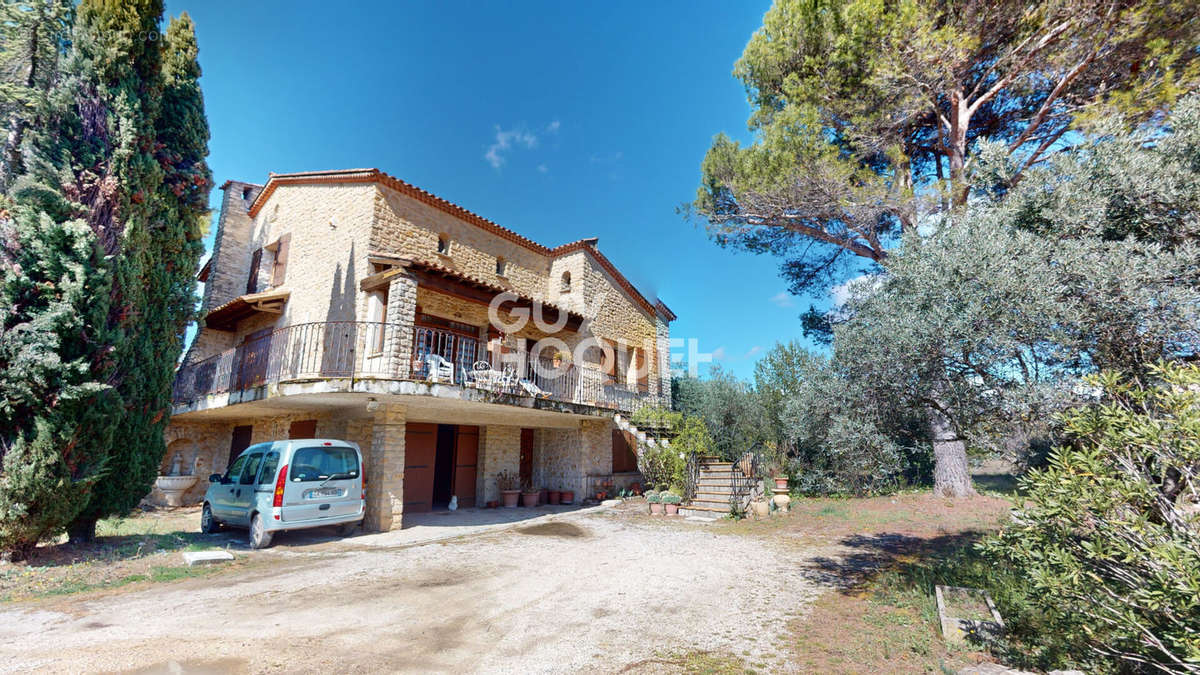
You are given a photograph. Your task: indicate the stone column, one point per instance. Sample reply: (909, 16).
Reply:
(385, 470)
(662, 332)
(401, 313)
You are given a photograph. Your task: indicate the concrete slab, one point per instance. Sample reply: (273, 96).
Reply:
(206, 557)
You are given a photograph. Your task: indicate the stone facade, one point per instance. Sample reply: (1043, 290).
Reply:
(318, 237)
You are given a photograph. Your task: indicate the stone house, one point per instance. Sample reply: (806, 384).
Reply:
(351, 304)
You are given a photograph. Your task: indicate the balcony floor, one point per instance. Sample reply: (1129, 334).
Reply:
(423, 401)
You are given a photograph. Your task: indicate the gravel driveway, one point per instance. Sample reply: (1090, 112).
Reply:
(589, 592)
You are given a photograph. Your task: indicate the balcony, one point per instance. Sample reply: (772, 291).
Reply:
(360, 350)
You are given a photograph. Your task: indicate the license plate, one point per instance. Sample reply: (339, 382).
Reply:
(323, 492)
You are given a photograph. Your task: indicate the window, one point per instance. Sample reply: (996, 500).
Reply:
(234, 471)
(377, 302)
(501, 265)
(250, 471)
(266, 476)
(566, 283)
(443, 244)
(319, 463)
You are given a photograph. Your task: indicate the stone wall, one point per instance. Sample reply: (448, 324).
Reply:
(203, 450)
(499, 450)
(563, 459)
(384, 457)
(405, 226)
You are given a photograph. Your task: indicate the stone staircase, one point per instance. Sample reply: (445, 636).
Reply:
(718, 484)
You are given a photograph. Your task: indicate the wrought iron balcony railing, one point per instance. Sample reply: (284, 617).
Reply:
(372, 350)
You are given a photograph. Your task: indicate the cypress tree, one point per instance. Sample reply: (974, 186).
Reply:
(54, 403)
(158, 291)
(33, 38)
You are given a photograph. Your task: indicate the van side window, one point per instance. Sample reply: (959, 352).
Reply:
(270, 465)
(232, 473)
(250, 472)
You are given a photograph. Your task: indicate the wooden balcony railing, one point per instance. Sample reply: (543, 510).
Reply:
(371, 350)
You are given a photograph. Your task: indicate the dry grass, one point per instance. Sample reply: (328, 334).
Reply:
(142, 548)
(877, 619)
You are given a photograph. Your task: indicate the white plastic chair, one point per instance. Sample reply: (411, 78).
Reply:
(439, 368)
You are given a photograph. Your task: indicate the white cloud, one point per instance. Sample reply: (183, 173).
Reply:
(542, 168)
(718, 354)
(861, 284)
(552, 128)
(507, 140)
(754, 351)
(783, 299)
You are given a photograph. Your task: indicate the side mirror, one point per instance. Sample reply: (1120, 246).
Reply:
(215, 478)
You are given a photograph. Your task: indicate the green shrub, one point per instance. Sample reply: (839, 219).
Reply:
(653, 497)
(671, 498)
(1108, 536)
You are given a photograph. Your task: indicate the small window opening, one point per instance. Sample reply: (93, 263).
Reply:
(443, 245)
(566, 283)
(501, 266)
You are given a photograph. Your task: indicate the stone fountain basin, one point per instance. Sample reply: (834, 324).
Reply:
(173, 487)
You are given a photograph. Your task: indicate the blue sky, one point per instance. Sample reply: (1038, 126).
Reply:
(560, 120)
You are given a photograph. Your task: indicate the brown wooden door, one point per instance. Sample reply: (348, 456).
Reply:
(624, 455)
(256, 351)
(239, 442)
(526, 457)
(420, 452)
(466, 458)
(303, 429)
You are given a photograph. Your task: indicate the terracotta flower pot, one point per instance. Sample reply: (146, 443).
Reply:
(568, 497)
(554, 496)
(672, 509)
(656, 509)
(529, 499)
(600, 495)
(781, 482)
(510, 498)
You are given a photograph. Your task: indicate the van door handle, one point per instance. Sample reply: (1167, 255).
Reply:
(238, 493)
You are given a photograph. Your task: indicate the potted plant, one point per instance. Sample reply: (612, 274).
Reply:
(655, 501)
(510, 488)
(529, 496)
(561, 358)
(670, 503)
(568, 497)
(553, 497)
(781, 481)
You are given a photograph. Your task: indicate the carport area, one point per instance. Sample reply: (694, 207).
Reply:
(590, 591)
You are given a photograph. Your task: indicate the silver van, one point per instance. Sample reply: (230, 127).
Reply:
(288, 485)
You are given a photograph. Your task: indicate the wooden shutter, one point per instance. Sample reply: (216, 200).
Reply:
(279, 269)
(643, 373)
(609, 358)
(302, 429)
(252, 282)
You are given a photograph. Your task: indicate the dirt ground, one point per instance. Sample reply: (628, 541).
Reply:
(588, 592)
(606, 591)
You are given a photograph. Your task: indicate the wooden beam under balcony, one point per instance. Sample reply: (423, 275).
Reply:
(229, 314)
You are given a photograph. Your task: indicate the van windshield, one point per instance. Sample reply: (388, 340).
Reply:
(319, 463)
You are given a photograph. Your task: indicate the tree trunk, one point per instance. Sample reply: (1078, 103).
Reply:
(950, 475)
(82, 530)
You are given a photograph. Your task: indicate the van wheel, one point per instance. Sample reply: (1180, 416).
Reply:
(346, 529)
(208, 524)
(259, 537)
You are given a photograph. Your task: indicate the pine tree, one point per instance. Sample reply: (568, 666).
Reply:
(159, 291)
